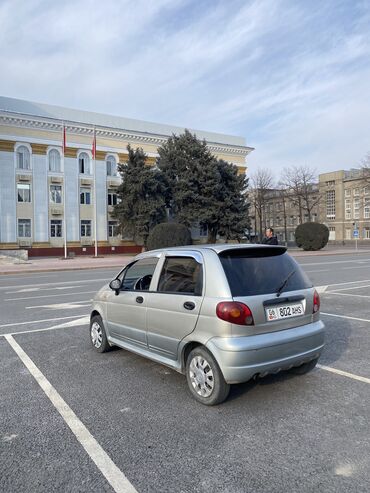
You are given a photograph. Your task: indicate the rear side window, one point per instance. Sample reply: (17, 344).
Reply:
(261, 272)
(181, 275)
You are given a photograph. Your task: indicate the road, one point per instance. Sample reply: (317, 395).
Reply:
(75, 420)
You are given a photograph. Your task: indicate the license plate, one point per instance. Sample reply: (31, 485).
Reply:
(284, 311)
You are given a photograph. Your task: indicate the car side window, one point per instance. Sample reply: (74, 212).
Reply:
(137, 277)
(181, 275)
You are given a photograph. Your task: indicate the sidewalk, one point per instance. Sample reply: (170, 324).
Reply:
(119, 261)
(58, 264)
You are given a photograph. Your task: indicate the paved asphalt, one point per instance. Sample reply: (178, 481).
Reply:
(281, 434)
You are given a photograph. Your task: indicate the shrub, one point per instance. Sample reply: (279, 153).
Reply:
(311, 236)
(168, 235)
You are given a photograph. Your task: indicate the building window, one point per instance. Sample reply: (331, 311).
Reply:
(56, 228)
(291, 236)
(367, 208)
(348, 234)
(85, 196)
(112, 197)
(23, 158)
(113, 228)
(111, 166)
(84, 164)
(348, 208)
(366, 190)
(330, 183)
(85, 228)
(203, 230)
(356, 192)
(356, 209)
(56, 194)
(347, 192)
(314, 217)
(367, 233)
(24, 228)
(54, 161)
(330, 204)
(331, 232)
(24, 192)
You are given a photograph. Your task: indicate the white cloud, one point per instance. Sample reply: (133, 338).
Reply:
(294, 78)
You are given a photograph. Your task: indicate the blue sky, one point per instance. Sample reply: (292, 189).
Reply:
(293, 77)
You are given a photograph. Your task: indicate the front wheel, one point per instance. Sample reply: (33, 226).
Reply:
(204, 377)
(98, 335)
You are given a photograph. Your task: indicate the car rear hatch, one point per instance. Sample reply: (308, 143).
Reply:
(272, 285)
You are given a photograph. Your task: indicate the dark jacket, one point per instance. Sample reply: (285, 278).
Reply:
(270, 241)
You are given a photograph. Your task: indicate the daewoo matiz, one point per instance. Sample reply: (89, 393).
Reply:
(221, 314)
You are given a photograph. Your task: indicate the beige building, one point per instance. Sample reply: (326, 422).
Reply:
(345, 206)
(45, 195)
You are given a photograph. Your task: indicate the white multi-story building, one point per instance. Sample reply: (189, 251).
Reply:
(43, 196)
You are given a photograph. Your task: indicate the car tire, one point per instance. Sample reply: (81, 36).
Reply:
(98, 335)
(205, 379)
(305, 368)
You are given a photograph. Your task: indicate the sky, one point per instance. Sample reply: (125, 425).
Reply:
(292, 77)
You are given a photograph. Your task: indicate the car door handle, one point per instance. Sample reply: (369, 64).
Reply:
(189, 305)
(139, 299)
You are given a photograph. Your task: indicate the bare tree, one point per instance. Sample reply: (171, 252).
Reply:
(301, 183)
(283, 194)
(262, 182)
(365, 167)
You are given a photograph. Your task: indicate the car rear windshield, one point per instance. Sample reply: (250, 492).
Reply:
(261, 271)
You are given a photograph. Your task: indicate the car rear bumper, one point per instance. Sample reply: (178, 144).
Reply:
(241, 358)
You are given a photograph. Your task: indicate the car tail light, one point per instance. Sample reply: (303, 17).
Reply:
(235, 313)
(316, 302)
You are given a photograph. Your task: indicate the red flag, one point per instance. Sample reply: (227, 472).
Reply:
(94, 146)
(64, 145)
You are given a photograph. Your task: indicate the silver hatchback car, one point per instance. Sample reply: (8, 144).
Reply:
(221, 314)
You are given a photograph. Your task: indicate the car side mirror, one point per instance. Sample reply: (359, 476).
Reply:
(115, 285)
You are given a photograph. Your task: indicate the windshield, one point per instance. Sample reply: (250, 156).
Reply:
(252, 273)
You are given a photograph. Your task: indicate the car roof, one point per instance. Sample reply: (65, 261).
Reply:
(218, 248)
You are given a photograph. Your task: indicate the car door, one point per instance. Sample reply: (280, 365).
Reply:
(173, 307)
(126, 310)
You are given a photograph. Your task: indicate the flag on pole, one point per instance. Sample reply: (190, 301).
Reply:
(94, 145)
(64, 140)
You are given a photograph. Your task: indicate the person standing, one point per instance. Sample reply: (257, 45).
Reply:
(270, 238)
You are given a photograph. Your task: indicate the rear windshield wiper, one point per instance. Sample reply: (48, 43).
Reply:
(284, 283)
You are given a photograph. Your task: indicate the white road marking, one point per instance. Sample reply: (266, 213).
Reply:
(324, 264)
(352, 287)
(79, 281)
(63, 306)
(29, 290)
(67, 325)
(349, 294)
(104, 463)
(344, 373)
(345, 316)
(311, 271)
(321, 289)
(50, 295)
(37, 321)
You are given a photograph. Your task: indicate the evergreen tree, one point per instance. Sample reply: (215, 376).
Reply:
(202, 189)
(141, 196)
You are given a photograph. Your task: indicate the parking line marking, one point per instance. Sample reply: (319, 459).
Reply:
(49, 296)
(352, 287)
(348, 294)
(73, 323)
(344, 373)
(37, 321)
(345, 316)
(79, 281)
(98, 455)
(62, 306)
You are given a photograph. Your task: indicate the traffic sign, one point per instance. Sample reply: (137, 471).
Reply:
(355, 233)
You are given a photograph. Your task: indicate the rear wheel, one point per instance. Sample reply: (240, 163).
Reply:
(204, 377)
(98, 335)
(305, 368)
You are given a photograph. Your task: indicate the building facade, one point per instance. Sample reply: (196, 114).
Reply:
(345, 207)
(45, 195)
